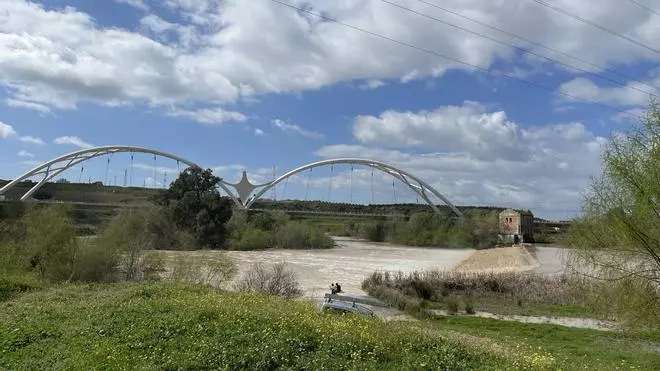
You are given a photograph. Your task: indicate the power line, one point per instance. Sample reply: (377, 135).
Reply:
(536, 43)
(624, 84)
(644, 7)
(596, 25)
(455, 60)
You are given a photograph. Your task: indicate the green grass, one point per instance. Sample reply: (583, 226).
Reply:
(567, 348)
(167, 326)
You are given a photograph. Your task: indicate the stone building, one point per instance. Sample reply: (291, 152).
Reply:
(516, 227)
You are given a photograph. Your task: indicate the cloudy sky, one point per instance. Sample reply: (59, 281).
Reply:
(493, 102)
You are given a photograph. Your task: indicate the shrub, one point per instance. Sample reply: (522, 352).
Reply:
(50, 238)
(453, 304)
(291, 236)
(164, 234)
(97, 263)
(278, 280)
(526, 286)
(374, 232)
(191, 269)
(319, 240)
(469, 306)
(250, 239)
(296, 235)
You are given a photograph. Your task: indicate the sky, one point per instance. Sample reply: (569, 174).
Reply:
(492, 102)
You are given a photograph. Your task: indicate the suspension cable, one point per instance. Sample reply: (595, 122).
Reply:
(394, 191)
(309, 175)
(155, 175)
(107, 167)
(373, 198)
(286, 181)
(332, 171)
(351, 200)
(131, 176)
(82, 169)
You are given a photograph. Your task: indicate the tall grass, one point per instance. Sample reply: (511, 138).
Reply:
(434, 284)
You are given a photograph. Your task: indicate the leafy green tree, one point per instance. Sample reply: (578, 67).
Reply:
(617, 239)
(197, 206)
(619, 233)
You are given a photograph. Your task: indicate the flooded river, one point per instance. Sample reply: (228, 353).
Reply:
(348, 263)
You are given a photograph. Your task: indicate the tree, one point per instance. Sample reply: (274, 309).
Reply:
(197, 206)
(63, 181)
(619, 232)
(617, 239)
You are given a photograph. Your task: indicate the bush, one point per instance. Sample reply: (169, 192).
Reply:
(453, 304)
(278, 280)
(50, 238)
(97, 263)
(191, 269)
(250, 239)
(164, 234)
(374, 232)
(527, 286)
(296, 235)
(469, 306)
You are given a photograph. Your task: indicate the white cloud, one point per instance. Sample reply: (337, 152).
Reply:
(159, 169)
(32, 140)
(449, 129)
(6, 131)
(259, 132)
(583, 88)
(209, 115)
(24, 153)
(140, 4)
(372, 84)
(292, 128)
(75, 141)
(28, 105)
(557, 163)
(61, 56)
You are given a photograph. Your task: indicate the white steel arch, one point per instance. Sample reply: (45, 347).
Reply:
(243, 197)
(54, 167)
(416, 184)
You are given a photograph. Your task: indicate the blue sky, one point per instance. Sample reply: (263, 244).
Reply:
(248, 85)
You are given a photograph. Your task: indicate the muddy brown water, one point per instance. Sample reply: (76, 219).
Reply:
(348, 263)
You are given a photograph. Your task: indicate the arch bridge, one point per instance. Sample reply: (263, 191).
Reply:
(244, 193)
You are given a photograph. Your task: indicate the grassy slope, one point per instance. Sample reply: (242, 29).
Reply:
(570, 348)
(168, 326)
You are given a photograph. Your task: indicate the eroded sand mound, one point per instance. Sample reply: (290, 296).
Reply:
(501, 259)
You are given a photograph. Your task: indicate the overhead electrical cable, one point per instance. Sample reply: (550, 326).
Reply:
(596, 25)
(538, 44)
(455, 60)
(523, 50)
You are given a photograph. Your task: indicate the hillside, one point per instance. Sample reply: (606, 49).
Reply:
(169, 326)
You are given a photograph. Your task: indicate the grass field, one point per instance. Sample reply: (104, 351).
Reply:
(173, 326)
(170, 326)
(566, 348)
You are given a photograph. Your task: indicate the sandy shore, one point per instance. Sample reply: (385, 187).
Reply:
(501, 259)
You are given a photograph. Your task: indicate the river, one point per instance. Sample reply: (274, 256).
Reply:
(348, 263)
